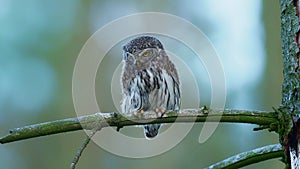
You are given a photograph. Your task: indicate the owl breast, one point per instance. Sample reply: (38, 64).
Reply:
(151, 89)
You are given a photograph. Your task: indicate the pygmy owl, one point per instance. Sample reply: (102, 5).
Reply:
(149, 80)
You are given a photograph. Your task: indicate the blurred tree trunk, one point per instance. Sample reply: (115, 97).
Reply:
(290, 108)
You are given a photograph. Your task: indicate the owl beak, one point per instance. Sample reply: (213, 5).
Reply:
(138, 63)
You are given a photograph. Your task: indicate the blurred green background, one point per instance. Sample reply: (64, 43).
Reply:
(40, 41)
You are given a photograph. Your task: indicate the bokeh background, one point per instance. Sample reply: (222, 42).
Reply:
(39, 44)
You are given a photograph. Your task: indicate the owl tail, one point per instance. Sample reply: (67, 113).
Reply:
(151, 130)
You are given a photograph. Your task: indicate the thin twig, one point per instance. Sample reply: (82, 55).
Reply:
(83, 146)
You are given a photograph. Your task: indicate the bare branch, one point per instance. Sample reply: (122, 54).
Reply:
(250, 157)
(114, 119)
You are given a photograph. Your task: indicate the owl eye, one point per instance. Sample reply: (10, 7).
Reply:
(147, 53)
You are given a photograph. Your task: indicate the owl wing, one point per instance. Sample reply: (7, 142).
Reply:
(166, 94)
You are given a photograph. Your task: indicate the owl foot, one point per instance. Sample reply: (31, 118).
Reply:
(139, 113)
(160, 112)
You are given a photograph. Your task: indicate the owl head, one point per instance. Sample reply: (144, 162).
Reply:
(141, 50)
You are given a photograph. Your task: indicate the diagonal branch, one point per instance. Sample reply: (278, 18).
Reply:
(250, 157)
(263, 119)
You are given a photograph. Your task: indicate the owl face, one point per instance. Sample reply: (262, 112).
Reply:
(141, 50)
(141, 57)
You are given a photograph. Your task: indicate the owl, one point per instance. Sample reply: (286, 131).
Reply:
(149, 80)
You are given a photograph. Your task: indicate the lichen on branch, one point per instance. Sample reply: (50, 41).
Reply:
(266, 119)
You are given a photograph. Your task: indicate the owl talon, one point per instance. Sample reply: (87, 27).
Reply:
(160, 112)
(157, 110)
(164, 114)
(139, 113)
